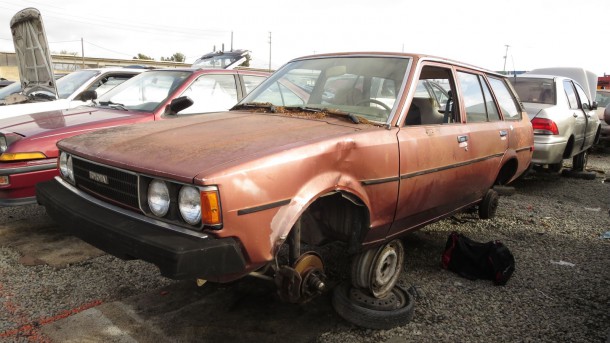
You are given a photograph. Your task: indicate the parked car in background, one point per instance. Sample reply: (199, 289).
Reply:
(603, 100)
(39, 89)
(324, 151)
(13, 88)
(28, 151)
(4, 82)
(562, 113)
(70, 89)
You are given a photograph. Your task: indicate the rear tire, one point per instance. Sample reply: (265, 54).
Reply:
(579, 161)
(489, 205)
(555, 167)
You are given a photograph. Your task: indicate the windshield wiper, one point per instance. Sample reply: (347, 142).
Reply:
(113, 105)
(291, 109)
(253, 105)
(42, 96)
(354, 118)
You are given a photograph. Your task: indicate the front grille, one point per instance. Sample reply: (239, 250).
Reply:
(122, 187)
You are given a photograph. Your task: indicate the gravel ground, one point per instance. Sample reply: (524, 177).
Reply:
(560, 291)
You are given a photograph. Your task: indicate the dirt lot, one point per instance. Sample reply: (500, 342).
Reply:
(54, 288)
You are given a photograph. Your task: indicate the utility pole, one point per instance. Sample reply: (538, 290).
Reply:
(505, 55)
(269, 50)
(231, 40)
(82, 48)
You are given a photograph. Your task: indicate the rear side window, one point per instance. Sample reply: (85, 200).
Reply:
(251, 81)
(474, 100)
(506, 100)
(570, 94)
(584, 100)
(490, 105)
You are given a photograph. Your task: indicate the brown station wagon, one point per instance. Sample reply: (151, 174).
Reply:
(356, 149)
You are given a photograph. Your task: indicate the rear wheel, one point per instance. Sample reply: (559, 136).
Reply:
(489, 205)
(555, 167)
(579, 161)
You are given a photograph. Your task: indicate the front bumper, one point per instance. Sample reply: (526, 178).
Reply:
(23, 178)
(132, 236)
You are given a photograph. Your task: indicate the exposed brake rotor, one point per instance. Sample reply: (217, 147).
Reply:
(304, 280)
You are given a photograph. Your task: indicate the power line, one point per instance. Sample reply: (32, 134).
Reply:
(100, 47)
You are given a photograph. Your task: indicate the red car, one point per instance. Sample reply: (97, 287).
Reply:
(28, 153)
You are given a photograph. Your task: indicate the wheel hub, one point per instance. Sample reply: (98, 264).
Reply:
(303, 281)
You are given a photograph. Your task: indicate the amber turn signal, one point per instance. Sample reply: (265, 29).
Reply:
(210, 208)
(21, 156)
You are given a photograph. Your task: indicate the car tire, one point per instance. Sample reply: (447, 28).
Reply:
(489, 205)
(555, 167)
(579, 161)
(368, 317)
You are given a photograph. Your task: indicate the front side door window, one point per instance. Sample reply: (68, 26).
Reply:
(211, 93)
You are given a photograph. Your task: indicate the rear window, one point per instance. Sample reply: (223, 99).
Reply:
(535, 90)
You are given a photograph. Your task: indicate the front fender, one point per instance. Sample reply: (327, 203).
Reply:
(322, 184)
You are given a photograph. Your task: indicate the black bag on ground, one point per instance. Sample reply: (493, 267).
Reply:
(475, 260)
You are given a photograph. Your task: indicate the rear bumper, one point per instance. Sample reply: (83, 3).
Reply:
(548, 152)
(132, 236)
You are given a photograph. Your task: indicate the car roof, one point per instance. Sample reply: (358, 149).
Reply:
(415, 56)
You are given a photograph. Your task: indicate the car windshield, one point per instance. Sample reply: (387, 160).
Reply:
(365, 87)
(220, 60)
(535, 90)
(68, 84)
(144, 92)
(602, 98)
(14, 87)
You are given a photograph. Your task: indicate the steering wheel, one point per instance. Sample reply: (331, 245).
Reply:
(374, 101)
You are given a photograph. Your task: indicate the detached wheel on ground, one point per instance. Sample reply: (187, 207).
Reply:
(489, 205)
(377, 270)
(359, 308)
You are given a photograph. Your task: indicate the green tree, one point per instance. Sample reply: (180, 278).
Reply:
(177, 57)
(246, 63)
(143, 57)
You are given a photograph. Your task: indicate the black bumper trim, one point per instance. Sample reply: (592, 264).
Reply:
(177, 255)
(17, 202)
(28, 169)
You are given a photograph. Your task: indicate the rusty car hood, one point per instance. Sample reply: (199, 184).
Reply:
(187, 147)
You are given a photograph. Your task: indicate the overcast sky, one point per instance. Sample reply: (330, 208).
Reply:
(540, 33)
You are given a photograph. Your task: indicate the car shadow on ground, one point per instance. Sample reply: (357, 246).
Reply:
(248, 310)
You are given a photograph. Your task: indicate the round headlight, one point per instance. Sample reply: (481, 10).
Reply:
(158, 198)
(65, 166)
(189, 202)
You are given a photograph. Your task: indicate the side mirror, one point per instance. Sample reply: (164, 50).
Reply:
(594, 105)
(87, 95)
(179, 104)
